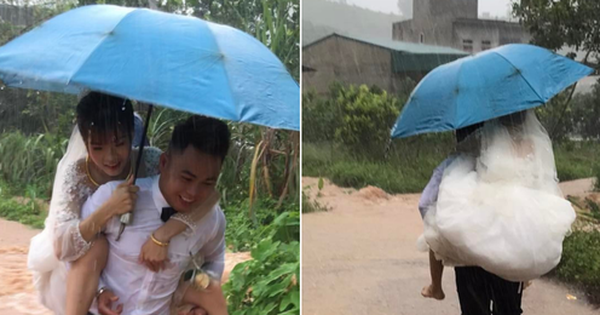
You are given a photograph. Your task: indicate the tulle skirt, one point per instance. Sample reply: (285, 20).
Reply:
(506, 228)
(49, 274)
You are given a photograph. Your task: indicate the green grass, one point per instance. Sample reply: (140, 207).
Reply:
(580, 263)
(410, 163)
(575, 160)
(405, 171)
(29, 161)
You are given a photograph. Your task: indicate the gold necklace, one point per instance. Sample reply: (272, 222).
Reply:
(89, 175)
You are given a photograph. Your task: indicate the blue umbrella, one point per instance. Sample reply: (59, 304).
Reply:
(491, 84)
(164, 59)
(157, 58)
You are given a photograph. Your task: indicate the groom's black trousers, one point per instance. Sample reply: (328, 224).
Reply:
(483, 293)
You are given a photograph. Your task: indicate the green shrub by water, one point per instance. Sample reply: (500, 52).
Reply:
(310, 206)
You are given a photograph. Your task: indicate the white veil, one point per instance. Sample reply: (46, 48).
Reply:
(503, 210)
(518, 150)
(75, 151)
(49, 274)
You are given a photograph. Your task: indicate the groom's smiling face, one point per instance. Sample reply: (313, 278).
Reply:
(188, 177)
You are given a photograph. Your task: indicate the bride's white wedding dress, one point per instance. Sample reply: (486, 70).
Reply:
(502, 211)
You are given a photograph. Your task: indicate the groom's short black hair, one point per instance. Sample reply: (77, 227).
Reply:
(208, 135)
(99, 113)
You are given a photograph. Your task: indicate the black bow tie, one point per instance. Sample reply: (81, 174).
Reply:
(167, 212)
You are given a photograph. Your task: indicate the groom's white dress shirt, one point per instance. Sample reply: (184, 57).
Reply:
(141, 291)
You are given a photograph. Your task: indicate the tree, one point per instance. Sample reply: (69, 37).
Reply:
(556, 24)
(586, 114)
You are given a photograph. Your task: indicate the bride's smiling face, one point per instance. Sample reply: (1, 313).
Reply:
(110, 152)
(106, 126)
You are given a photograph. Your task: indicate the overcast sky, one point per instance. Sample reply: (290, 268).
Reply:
(494, 7)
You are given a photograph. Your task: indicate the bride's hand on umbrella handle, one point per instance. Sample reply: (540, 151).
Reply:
(153, 255)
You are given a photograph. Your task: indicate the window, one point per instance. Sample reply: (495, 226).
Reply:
(486, 44)
(467, 45)
(422, 38)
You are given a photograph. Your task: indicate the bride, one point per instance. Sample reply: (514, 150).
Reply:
(502, 209)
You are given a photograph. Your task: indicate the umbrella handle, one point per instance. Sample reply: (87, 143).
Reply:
(127, 218)
(141, 150)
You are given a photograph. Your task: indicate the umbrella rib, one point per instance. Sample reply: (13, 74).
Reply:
(455, 105)
(525, 79)
(233, 97)
(98, 45)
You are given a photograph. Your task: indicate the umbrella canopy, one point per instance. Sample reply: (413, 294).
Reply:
(491, 84)
(171, 60)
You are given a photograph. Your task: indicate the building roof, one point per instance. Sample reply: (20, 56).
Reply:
(488, 22)
(398, 46)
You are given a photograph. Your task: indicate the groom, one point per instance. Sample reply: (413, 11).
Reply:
(189, 172)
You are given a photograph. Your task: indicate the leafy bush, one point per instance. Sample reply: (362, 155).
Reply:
(320, 118)
(269, 283)
(353, 115)
(366, 119)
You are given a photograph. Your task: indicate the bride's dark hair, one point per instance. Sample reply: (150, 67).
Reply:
(99, 113)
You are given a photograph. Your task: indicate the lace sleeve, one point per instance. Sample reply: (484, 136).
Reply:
(69, 245)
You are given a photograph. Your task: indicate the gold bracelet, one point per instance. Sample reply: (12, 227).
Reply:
(157, 242)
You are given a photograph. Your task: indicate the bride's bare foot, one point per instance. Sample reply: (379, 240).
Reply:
(433, 292)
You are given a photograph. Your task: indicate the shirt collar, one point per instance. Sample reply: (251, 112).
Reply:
(159, 200)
